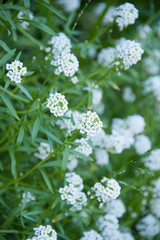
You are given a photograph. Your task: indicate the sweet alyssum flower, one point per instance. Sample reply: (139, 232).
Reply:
(57, 104)
(115, 208)
(83, 147)
(125, 15)
(74, 79)
(153, 160)
(72, 162)
(142, 144)
(70, 5)
(22, 15)
(44, 233)
(128, 95)
(155, 206)
(27, 197)
(107, 56)
(129, 53)
(152, 85)
(91, 235)
(43, 151)
(102, 157)
(106, 190)
(90, 123)
(72, 192)
(148, 226)
(16, 71)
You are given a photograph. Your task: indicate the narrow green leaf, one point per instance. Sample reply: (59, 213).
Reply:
(18, 55)
(55, 203)
(51, 164)
(13, 6)
(4, 46)
(29, 218)
(81, 155)
(9, 105)
(20, 136)
(27, 3)
(35, 128)
(52, 9)
(46, 179)
(72, 120)
(29, 73)
(9, 19)
(65, 158)
(13, 163)
(6, 57)
(51, 135)
(8, 81)
(25, 91)
(42, 27)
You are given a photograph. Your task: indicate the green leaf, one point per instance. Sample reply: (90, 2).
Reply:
(65, 158)
(35, 128)
(4, 46)
(29, 73)
(13, 6)
(52, 136)
(9, 105)
(42, 27)
(9, 19)
(81, 155)
(20, 136)
(27, 3)
(46, 179)
(52, 9)
(6, 57)
(13, 163)
(18, 55)
(51, 164)
(25, 91)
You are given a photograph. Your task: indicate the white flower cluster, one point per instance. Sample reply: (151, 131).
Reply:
(115, 208)
(43, 151)
(57, 104)
(27, 197)
(153, 160)
(72, 192)
(83, 147)
(62, 58)
(106, 190)
(128, 95)
(44, 233)
(90, 124)
(68, 123)
(107, 56)
(123, 134)
(21, 16)
(72, 162)
(127, 236)
(144, 31)
(125, 15)
(152, 85)
(16, 71)
(148, 226)
(129, 52)
(91, 235)
(70, 5)
(155, 207)
(142, 144)
(102, 157)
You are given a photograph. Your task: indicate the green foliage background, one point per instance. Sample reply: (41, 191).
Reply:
(25, 120)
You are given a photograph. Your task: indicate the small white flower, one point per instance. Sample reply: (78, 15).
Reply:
(16, 71)
(57, 104)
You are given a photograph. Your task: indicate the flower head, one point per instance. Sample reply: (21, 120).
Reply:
(57, 104)
(16, 71)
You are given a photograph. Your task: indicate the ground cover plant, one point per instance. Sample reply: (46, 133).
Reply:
(80, 121)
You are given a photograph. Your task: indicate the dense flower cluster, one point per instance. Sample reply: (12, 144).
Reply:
(128, 95)
(125, 14)
(21, 16)
(115, 208)
(91, 235)
(142, 144)
(27, 197)
(72, 162)
(43, 151)
(90, 123)
(16, 71)
(152, 85)
(148, 226)
(102, 156)
(44, 233)
(106, 56)
(59, 51)
(72, 192)
(83, 147)
(153, 160)
(70, 5)
(106, 190)
(155, 207)
(129, 52)
(57, 104)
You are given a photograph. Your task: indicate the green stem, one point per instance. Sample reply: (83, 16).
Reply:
(14, 96)
(40, 163)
